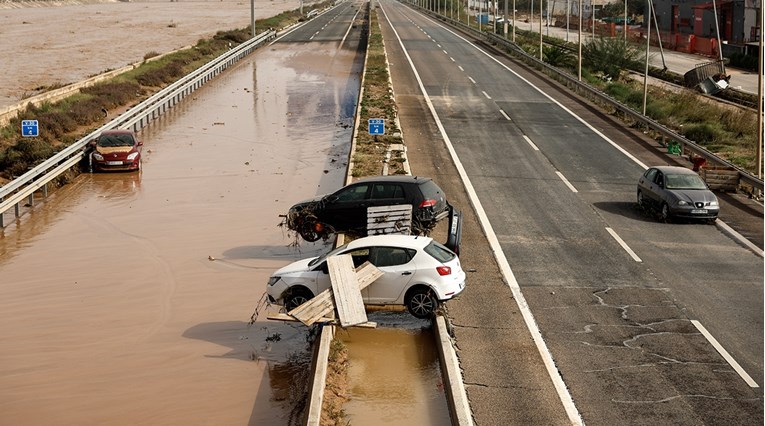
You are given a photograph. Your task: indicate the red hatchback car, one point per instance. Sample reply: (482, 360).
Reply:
(117, 149)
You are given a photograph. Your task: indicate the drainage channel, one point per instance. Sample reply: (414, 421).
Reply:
(403, 371)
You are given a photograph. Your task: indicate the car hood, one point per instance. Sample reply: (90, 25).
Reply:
(309, 201)
(693, 195)
(299, 266)
(114, 149)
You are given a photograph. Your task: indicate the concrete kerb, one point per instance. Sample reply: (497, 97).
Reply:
(459, 406)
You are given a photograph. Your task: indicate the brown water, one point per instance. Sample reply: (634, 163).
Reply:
(394, 373)
(112, 311)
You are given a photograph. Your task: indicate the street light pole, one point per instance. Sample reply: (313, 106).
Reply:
(540, 29)
(252, 17)
(579, 67)
(647, 48)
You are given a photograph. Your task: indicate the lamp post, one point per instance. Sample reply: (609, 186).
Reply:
(252, 17)
(647, 48)
(579, 66)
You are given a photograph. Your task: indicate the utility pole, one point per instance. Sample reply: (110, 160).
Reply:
(252, 17)
(540, 29)
(647, 48)
(761, 64)
(624, 25)
(579, 67)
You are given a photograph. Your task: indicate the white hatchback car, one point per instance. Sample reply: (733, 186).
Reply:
(418, 273)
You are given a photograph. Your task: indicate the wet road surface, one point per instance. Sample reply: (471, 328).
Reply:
(126, 297)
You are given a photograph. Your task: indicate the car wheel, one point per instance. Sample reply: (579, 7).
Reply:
(308, 232)
(641, 200)
(297, 297)
(421, 302)
(665, 216)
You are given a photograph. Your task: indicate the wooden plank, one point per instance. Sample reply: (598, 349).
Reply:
(389, 219)
(322, 304)
(345, 286)
(286, 317)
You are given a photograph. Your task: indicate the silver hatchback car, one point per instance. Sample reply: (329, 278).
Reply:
(677, 192)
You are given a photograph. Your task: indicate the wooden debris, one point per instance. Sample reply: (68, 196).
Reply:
(345, 287)
(389, 220)
(326, 320)
(318, 308)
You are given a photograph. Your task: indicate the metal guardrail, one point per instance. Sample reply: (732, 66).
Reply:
(685, 144)
(135, 118)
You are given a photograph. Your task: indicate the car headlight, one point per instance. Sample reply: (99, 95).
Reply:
(682, 203)
(98, 156)
(714, 203)
(132, 156)
(273, 280)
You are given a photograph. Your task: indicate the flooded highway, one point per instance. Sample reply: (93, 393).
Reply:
(127, 296)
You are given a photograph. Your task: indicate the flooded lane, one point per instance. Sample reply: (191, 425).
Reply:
(126, 297)
(394, 376)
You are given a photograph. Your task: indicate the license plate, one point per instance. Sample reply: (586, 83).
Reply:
(699, 211)
(114, 163)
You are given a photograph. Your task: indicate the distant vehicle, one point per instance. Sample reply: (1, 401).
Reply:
(677, 192)
(312, 13)
(116, 150)
(419, 273)
(346, 209)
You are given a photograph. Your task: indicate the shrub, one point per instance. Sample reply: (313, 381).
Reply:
(611, 55)
(22, 156)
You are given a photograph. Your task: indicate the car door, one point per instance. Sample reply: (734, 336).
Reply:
(648, 186)
(398, 268)
(359, 256)
(347, 209)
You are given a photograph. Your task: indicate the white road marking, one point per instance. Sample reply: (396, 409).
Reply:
(624, 245)
(748, 379)
(471, 79)
(348, 30)
(452, 59)
(445, 52)
(560, 386)
(504, 114)
(460, 67)
(439, 46)
(486, 94)
(568, 184)
(533, 145)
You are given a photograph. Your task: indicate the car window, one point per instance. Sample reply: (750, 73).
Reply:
(116, 140)
(431, 191)
(659, 178)
(685, 182)
(650, 174)
(387, 191)
(353, 193)
(359, 256)
(439, 252)
(391, 256)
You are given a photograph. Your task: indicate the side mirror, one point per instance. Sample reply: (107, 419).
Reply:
(93, 143)
(140, 143)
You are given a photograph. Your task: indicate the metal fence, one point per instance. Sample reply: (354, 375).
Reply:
(23, 188)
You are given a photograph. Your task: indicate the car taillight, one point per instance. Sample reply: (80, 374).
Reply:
(428, 203)
(444, 270)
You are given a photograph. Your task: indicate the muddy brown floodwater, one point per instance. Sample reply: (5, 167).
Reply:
(126, 297)
(394, 375)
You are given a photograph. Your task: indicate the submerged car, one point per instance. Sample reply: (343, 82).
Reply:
(346, 209)
(116, 150)
(677, 192)
(419, 273)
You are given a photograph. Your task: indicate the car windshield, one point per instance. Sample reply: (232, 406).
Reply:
(684, 182)
(326, 255)
(116, 140)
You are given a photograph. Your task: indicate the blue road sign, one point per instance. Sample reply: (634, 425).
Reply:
(30, 128)
(376, 126)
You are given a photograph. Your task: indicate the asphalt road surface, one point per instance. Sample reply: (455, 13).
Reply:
(616, 295)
